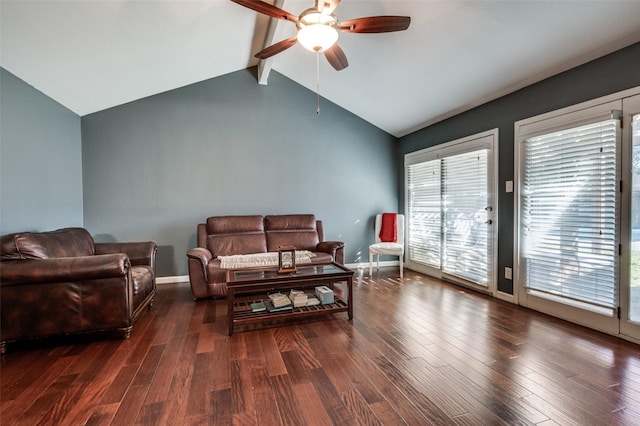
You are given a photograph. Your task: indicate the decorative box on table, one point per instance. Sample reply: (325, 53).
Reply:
(324, 294)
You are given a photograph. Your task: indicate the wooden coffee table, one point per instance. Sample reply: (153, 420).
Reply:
(245, 286)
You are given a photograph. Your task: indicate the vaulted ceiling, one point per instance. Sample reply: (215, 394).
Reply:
(91, 55)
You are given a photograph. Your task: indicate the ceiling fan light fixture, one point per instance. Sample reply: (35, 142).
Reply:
(317, 37)
(316, 30)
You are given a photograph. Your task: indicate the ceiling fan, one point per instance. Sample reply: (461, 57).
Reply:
(318, 28)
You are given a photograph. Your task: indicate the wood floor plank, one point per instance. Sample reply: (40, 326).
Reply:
(130, 405)
(296, 369)
(311, 407)
(241, 391)
(150, 413)
(418, 352)
(386, 414)
(330, 398)
(354, 372)
(200, 386)
(51, 397)
(97, 386)
(103, 415)
(286, 402)
(167, 367)
(274, 363)
(120, 385)
(178, 393)
(265, 413)
(33, 385)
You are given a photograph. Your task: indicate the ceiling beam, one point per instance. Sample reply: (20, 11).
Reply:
(264, 66)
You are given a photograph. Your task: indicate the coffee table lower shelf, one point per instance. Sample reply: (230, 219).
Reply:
(242, 313)
(245, 286)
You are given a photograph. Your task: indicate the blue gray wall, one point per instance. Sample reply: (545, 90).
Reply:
(609, 74)
(40, 160)
(156, 167)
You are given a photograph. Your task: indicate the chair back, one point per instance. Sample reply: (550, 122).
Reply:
(399, 224)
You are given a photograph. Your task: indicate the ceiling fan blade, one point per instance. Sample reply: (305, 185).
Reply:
(267, 9)
(327, 6)
(336, 57)
(276, 48)
(376, 24)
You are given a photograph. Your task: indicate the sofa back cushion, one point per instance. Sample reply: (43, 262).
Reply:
(67, 242)
(228, 245)
(234, 224)
(230, 235)
(298, 230)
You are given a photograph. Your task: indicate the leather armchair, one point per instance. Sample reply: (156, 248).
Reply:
(61, 282)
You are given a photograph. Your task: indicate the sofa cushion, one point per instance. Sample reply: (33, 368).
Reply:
(234, 224)
(300, 239)
(66, 242)
(288, 222)
(226, 245)
(298, 230)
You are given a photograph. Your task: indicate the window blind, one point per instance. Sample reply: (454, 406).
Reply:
(424, 218)
(466, 233)
(569, 209)
(447, 204)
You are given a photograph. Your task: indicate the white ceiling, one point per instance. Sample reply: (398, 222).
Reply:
(91, 55)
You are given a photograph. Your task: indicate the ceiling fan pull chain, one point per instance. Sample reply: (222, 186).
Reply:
(318, 81)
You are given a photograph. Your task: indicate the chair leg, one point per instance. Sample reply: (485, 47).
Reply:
(377, 262)
(401, 268)
(370, 264)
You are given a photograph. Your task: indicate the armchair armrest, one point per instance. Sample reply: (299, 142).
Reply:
(140, 253)
(335, 248)
(198, 259)
(200, 254)
(64, 269)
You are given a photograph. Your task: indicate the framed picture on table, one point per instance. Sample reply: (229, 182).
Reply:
(286, 259)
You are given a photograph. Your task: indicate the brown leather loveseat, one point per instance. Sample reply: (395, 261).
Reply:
(61, 282)
(242, 235)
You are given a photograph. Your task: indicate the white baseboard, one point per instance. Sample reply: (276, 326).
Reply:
(172, 280)
(365, 265)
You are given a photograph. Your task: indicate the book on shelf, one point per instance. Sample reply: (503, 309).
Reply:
(258, 306)
(298, 298)
(313, 301)
(279, 300)
(272, 308)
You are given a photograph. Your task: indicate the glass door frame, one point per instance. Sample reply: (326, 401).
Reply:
(603, 319)
(627, 329)
(616, 324)
(462, 145)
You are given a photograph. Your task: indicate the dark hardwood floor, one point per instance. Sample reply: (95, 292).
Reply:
(418, 352)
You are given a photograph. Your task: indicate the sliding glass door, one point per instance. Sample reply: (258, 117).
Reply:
(450, 193)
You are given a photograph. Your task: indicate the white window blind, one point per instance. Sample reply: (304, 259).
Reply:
(424, 218)
(466, 232)
(569, 210)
